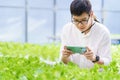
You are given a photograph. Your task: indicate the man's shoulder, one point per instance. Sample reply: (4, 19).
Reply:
(101, 27)
(101, 31)
(68, 26)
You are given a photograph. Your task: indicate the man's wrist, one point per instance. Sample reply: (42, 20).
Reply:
(97, 58)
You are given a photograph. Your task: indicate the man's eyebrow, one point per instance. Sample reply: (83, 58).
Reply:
(84, 18)
(79, 19)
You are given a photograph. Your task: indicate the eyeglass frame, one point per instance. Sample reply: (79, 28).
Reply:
(83, 22)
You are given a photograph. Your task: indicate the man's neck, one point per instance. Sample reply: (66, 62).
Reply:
(87, 30)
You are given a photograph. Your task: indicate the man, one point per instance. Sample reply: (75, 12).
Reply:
(84, 30)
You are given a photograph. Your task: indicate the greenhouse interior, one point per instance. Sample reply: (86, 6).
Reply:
(30, 40)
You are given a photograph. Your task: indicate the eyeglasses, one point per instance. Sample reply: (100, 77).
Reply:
(83, 22)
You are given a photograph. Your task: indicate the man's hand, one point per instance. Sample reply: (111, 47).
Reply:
(89, 55)
(65, 55)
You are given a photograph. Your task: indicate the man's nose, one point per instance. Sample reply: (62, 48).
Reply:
(79, 25)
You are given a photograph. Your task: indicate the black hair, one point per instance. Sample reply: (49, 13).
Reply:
(78, 7)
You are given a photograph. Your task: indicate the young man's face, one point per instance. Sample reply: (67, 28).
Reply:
(82, 22)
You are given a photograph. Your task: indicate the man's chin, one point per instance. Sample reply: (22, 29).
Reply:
(81, 30)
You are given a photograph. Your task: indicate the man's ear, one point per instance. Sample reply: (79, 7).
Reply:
(91, 13)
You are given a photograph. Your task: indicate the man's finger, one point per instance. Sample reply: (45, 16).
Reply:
(88, 49)
(65, 47)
